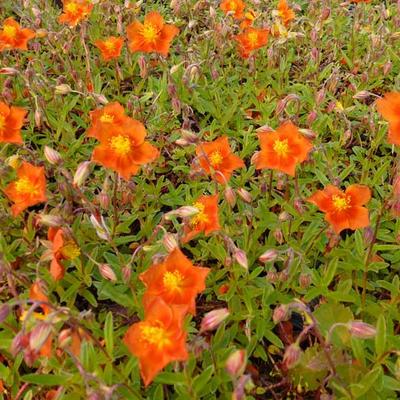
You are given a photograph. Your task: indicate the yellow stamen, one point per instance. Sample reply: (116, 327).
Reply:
(173, 280)
(2, 122)
(70, 250)
(215, 158)
(35, 315)
(341, 203)
(201, 216)
(109, 46)
(25, 186)
(107, 118)
(71, 7)
(121, 144)
(155, 335)
(10, 31)
(281, 147)
(150, 33)
(232, 5)
(252, 38)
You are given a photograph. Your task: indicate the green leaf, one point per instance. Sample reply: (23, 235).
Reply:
(201, 380)
(108, 333)
(170, 378)
(330, 272)
(46, 379)
(366, 383)
(380, 338)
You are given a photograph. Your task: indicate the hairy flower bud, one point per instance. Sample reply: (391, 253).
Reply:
(142, 66)
(39, 335)
(53, 221)
(361, 330)
(230, 196)
(107, 272)
(169, 242)
(236, 363)
(183, 212)
(245, 195)
(241, 258)
(213, 319)
(268, 256)
(281, 313)
(52, 156)
(63, 89)
(82, 172)
(292, 355)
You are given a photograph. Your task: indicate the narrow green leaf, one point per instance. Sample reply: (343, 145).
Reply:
(380, 339)
(109, 333)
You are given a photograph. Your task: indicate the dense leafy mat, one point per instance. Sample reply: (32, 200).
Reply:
(142, 259)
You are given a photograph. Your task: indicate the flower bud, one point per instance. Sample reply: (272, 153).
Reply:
(52, 156)
(100, 227)
(312, 116)
(213, 319)
(230, 196)
(39, 335)
(245, 195)
(326, 12)
(362, 330)
(104, 200)
(268, 256)
(100, 98)
(183, 212)
(292, 355)
(264, 129)
(4, 311)
(236, 363)
(126, 273)
(169, 242)
(53, 221)
(82, 172)
(278, 235)
(107, 272)
(364, 94)
(63, 89)
(320, 97)
(241, 258)
(142, 67)
(284, 216)
(64, 338)
(298, 205)
(8, 71)
(305, 280)
(19, 343)
(281, 313)
(387, 67)
(272, 276)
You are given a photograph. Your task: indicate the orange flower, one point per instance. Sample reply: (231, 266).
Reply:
(29, 189)
(74, 11)
(110, 48)
(13, 37)
(251, 39)
(249, 18)
(175, 280)
(159, 339)
(125, 150)
(343, 210)
(285, 12)
(11, 121)
(236, 6)
(64, 248)
(217, 159)
(389, 108)
(151, 36)
(206, 220)
(110, 118)
(282, 149)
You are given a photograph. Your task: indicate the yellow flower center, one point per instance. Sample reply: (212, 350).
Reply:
(2, 122)
(107, 118)
(341, 203)
(173, 281)
(215, 158)
(71, 7)
(201, 216)
(281, 147)
(155, 335)
(10, 31)
(150, 33)
(233, 6)
(121, 144)
(109, 46)
(25, 186)
(35, 315)
(70, 250)
(253, 38)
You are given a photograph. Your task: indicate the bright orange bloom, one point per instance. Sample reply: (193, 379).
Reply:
(343, 210)
(206, 220)
(13, 37)
(11, 121)
(125, 150)
(74, 11)
(216, 158)
(285, 12)
(389, 108)
(151, 36)
(237, 6)
(110, 48)
(175, 280)
(29, 189)
(251, 39)
(159, 339)
(282, 149)
(249, 18)
(110, 118)
(63, 249)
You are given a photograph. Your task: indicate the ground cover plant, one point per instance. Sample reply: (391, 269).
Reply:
(200, 199)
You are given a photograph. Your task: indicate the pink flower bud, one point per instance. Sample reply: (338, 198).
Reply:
(126, 273)
(292, 356)
(241, 258)
(52, 156)
(364, 94)
(236, 363)
(272, 276)
(245, 195)
(281, 313)
(183, 212)
(213, 319)
(4, 311)
(305, 280)
(314, 35)
(312, 116)
(278, 235)
(361, 330)
(104, 200)
(299, 205)
(107, 272)
(387, 67)
(8, 71)
(39, 335)
(189, 136)
(264, 129)
(169, 242)
(142, 67)
(320, 97)
(64, 338)
(82, 172)
(326, 12)
(331, 106)
(268, 256)
(314, 54)
(230, 196)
